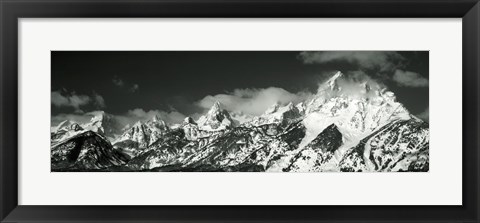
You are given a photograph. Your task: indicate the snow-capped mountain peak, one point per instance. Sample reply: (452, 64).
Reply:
(62, 125)
(189, 120)
(272, 109)
(216, 107)
(357, 107)
(144, 133)
(137, 124)
(278, 114)
(216, 118)
(332, 82)
(104, 124)
(156, 118)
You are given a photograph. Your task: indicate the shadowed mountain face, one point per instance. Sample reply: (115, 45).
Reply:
(359, 128)
(87, 150)
(318, 152)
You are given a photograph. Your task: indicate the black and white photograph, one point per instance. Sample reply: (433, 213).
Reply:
(239, 111)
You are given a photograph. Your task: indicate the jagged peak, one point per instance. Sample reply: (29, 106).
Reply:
(216, 107)
(290, 105)
(156, 118)
(189, 120)
(98, 116)
(332, 82)
(272, 109)
(137, 124)
(216, 117)
(335, 76)
(215, 112)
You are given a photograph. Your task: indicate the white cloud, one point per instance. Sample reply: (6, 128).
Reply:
(380, 60)
(409, 79)
(71, 100)
(99, 101)
(424, 115)
(252, 101)
(117, 81)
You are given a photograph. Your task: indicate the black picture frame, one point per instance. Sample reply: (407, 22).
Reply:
(12, 10)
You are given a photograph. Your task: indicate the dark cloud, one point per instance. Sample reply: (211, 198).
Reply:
(188, 81)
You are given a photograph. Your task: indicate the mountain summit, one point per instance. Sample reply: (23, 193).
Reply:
(216, 118)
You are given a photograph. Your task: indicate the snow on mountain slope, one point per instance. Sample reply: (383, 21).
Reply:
(141, 135)
(401, 145)
(63, 131)
(104, 124)
(348, 125)
(356, 108)
(318, 153)
(283, 115)
(62, 125)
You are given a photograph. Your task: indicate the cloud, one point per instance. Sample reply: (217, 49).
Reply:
(424, 115)
(73, 100)
(252, 101)
(117, 81)
(134, 88)
(409, 79)
(384, 64)
(99, 101)
(378, 60)
(76, 101)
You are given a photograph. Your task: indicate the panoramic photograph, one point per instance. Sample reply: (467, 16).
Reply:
(239, 111)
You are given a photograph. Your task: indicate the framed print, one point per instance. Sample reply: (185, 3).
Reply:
(174, 111)
(247, 128)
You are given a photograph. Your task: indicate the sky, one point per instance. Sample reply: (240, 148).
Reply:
(135, 85)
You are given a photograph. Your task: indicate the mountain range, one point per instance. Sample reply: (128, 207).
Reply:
(347, 126)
